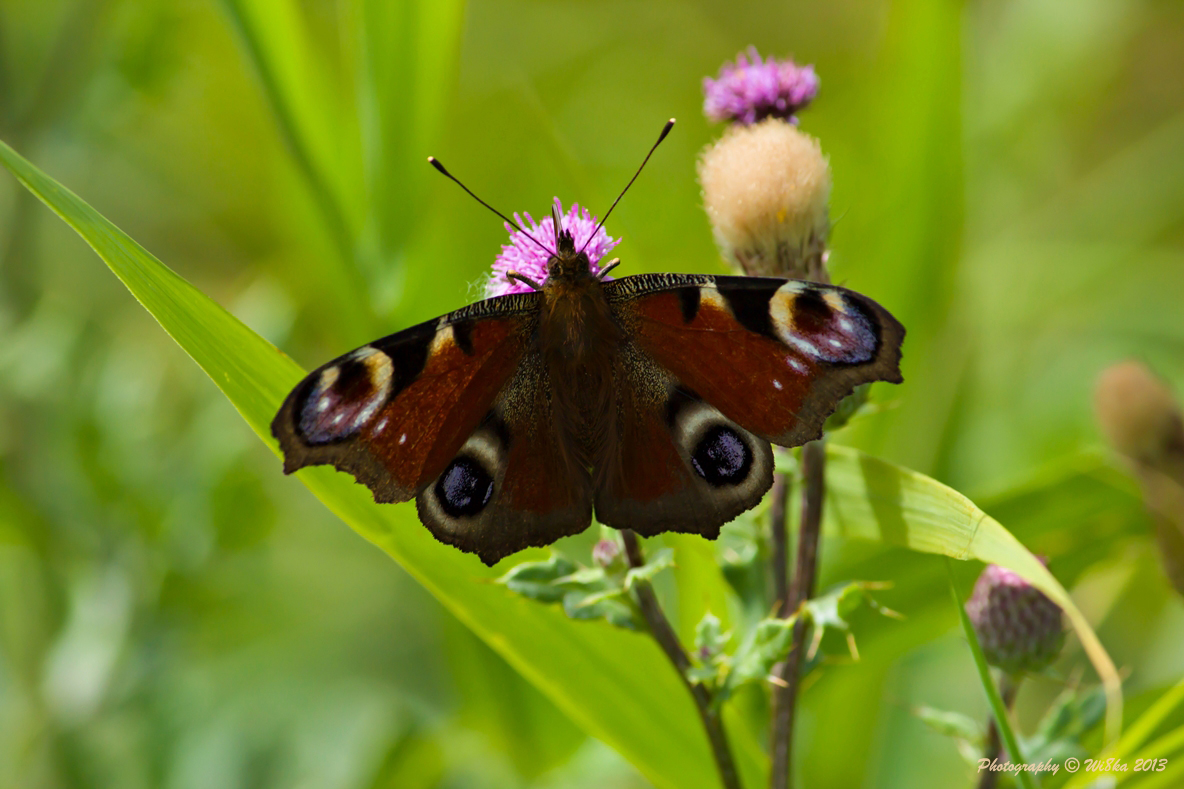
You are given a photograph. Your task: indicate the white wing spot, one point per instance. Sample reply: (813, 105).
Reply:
(337, 419)
(381, 425)
(845, 324)
(802, 344)
(797, 365)
(776, 384)
(835, 343)
(402, 439)
(323, 404)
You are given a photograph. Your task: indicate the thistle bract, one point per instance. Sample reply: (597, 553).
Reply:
(1018, 627)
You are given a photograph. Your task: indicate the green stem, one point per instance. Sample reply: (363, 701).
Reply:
(1010, 743)
(785, 694)
(1010, 686)
(664, 634)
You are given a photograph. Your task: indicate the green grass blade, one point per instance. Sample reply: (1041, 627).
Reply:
(408, 54)
(615, 684)
(1139, 732)
(294, 82)
(998, 709)
(872, 499)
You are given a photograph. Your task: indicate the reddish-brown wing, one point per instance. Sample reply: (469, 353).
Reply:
(394, 413)
(775, 356)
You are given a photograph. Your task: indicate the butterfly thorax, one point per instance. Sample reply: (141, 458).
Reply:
(576, 325)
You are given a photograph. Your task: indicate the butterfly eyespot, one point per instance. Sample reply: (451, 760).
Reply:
(346, 396)
(721, 457)
(465, 488)
(824, 325)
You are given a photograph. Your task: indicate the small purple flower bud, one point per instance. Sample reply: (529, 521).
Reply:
(1018, 627)
(752, 89)
(530, 260)
(607, 554)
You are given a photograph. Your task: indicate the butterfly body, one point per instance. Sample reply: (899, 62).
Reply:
(579, 342)
(651, 400)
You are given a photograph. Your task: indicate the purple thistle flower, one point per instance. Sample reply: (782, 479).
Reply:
(753, 89)
(530, 260)
(1018, 627)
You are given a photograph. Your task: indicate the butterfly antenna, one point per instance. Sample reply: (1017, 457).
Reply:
(434, 162)
(665, 130)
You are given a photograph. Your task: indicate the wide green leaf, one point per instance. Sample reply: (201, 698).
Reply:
(871, 499)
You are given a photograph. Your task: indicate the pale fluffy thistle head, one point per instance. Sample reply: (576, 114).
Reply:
(765, 188)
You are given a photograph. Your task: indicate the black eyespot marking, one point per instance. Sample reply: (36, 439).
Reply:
(464, 488)
(721, 457)
(462, 333)
(811, 313)
(688, 302)
(750, 305)
(408, 351)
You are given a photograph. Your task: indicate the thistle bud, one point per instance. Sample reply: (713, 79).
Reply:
(1018, 627)
(1138, 414)
(1142, 421)
(765, 189)
(607, 554)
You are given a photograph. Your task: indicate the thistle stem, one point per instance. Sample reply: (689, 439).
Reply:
(1008, 687)
(664, 634)
(781, 700)
(785, 695)
(780, 542)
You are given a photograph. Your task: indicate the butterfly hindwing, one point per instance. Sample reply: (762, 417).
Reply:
(395, 412)
(684, 466)
(508, 487)
(775, 356)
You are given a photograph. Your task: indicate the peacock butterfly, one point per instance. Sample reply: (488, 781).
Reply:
(651, 400)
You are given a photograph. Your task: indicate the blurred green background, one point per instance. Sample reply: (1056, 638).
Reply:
(1009, 181)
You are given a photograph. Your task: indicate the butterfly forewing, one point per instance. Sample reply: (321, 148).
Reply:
(776, 356)
(395, 412)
